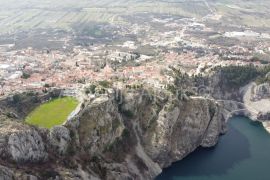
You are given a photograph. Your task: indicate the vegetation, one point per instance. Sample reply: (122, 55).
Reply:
(231, 76)
(46, 85)
(121, 146)
(128, 113)
(171, 88)
(91, 89)
(263, 58)
(16, 98)
(52, 113)
(98, 88)
(237, 76)
(49, 174)
(25, 75)
(125, 133)
(83, 20)
(212, 110)
(81, 81)
(183, 83)
(105, 84)
(190, 93)
(264, 77)
(134, 86)
(92, 29)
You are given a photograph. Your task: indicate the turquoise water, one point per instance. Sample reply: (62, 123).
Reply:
(243, 153)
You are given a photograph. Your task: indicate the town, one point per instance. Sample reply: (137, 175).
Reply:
(134, 53)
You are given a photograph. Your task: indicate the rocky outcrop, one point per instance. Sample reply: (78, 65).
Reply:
(128, 135)
(145, 133)
(261, 91)
(59, 139)
(264, 116)
(26, 146)
(256, 101)
(192, 121)
(219, 91)
(6, 173)
(100, 124)
(216, 127)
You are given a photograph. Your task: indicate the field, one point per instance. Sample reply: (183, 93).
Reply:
(52, 113)
(33, 14)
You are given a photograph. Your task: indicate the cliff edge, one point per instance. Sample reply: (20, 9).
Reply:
(127, 135)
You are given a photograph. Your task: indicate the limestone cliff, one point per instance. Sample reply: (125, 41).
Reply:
(127, 135)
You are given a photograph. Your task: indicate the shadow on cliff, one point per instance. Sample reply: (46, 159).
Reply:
(232, 148)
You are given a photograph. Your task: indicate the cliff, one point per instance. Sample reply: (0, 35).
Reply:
(124, 135)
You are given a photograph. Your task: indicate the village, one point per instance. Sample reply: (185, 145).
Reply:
(140, 60)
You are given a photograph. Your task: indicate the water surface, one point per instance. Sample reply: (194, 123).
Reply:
(243, 153)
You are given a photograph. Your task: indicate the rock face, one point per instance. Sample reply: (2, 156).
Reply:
(197, 122)
(262, 91)
(6, 174)
(100, 125)
(133, 135)
(144, 133)
(59, 138)
(256, 99)
(26, 146)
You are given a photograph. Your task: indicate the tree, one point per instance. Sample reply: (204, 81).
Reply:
(25, 75)
(91, 89)
(105, 84)
(16, 98)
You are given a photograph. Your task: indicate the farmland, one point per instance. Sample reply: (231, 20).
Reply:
(33, 14)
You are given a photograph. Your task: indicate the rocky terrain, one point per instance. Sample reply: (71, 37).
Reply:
(122, 135)
(257, 101)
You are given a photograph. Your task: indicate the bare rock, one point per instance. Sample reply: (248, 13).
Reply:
(59, 139)
(6, 173)
(214, 129)
(100, 125)
(262, 91)
(27, 146)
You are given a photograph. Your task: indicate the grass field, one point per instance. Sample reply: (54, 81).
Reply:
(52, 113)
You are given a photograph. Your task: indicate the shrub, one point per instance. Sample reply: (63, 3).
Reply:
(125, 133)
(237, 76)
(25, 75)
(92, 88)
(47, 85)
(105, 84)
(128, 113)
(190, 93)
(16, 98)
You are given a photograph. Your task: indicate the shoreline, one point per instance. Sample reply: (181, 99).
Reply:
(266, 126)
(255, 107)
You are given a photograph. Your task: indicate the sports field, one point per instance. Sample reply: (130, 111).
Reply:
(52, 113)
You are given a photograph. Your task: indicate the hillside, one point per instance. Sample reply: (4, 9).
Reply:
(63, 14)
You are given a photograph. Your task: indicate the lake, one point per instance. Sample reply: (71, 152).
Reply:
(243, 153)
